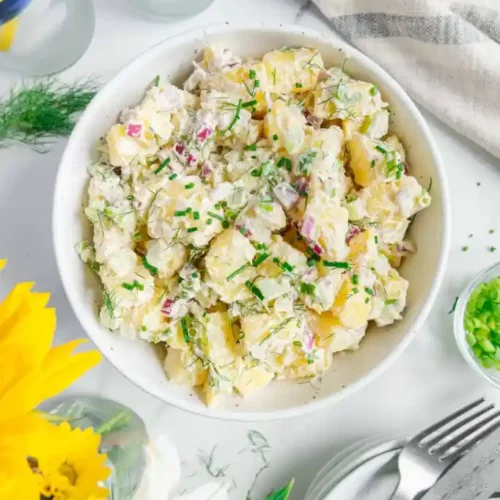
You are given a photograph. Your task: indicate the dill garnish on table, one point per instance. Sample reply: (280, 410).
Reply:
(38, 112)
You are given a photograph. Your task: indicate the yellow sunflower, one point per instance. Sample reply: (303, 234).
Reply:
(32, 371)
(73, 468)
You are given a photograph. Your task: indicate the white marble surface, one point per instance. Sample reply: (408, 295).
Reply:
(428, 380)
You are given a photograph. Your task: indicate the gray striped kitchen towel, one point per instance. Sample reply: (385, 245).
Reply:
(445, 53)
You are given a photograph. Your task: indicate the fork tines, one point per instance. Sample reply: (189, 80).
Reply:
(459, 432)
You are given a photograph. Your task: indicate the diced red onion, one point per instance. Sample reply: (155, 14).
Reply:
(166, 308)
(405, 248)
(317, 249)
(134, 129)
(206, 170)
(307, 227)
(286, 195)
(351, 232)
(302, 185)
(191, 158)
(407, 169)
(323, 76)
(179, 148)
(309, 338)
(204, 134)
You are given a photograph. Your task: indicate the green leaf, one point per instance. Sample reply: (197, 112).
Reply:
(282, 493)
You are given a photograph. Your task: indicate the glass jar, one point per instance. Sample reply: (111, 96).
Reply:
(43, 37)
(123, 437)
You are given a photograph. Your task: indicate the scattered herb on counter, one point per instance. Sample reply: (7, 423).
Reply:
(454, 306)
(482, 323)
(465, 248)
(491, 249)
(282, 493)
(491, 231)
(471, 235)
(37, 113)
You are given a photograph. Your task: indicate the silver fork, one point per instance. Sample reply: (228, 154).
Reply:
(428, 454)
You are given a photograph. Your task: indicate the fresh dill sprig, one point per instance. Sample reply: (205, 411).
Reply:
(35, 114)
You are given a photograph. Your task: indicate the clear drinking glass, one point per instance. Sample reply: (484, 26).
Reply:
(165, 9)
(43, 37)
(124, 437)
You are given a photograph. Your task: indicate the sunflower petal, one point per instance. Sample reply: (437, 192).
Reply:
(26, 346)
(57, 372)
(16, 478)
(2, 263)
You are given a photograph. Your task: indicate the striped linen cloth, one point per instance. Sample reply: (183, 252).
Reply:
(445, 53)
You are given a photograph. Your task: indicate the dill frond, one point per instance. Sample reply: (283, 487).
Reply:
(37, 113)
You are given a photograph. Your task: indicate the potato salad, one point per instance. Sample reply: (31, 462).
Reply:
(252, 220)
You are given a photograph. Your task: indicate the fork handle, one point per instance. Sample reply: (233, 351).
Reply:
(403, 492)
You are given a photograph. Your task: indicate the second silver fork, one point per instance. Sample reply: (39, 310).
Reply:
(428, 454)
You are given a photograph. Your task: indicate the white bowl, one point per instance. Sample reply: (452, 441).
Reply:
(139, 361)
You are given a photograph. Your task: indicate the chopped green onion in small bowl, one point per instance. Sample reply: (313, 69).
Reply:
(477, 324)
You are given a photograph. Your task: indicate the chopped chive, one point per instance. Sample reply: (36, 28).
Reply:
(491, 231)
(389, 302)
(251, 147)
(255, 290)
(256, 172)
(307, 288)
(285, 162)
(256, 84)
(196, 215)
(355, 279)
(355, 289)
(249, 104)
(156, 80)
(143, 328)
(298, 85)
(298, 343)
(189, 186)
(260, 258)
(274, 76)
(128, 286)
(216, 216)
(130, 197)
(209, 221)
(376, 239)
(180, 213)
(465, 248)
(367, 300)
(185, 331)
(162, 166)
(372, 164)
(192, 229)
(238, 271)
(491, 249)
(217, 206)
(251, 74)
(374, 90)
(172, 177)
(339, 265)
(194, 275)
(275, 137)
(369, 291)
(152, 269)
(381, 149)
(243, 230)
(311, 262)
(189, 210)
(236, 115)
(225, 224)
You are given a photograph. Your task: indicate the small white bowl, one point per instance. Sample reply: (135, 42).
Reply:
(490, 374)
(137, 360)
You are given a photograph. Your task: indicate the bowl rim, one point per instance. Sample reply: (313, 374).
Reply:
(485, 274)
(382, 365)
